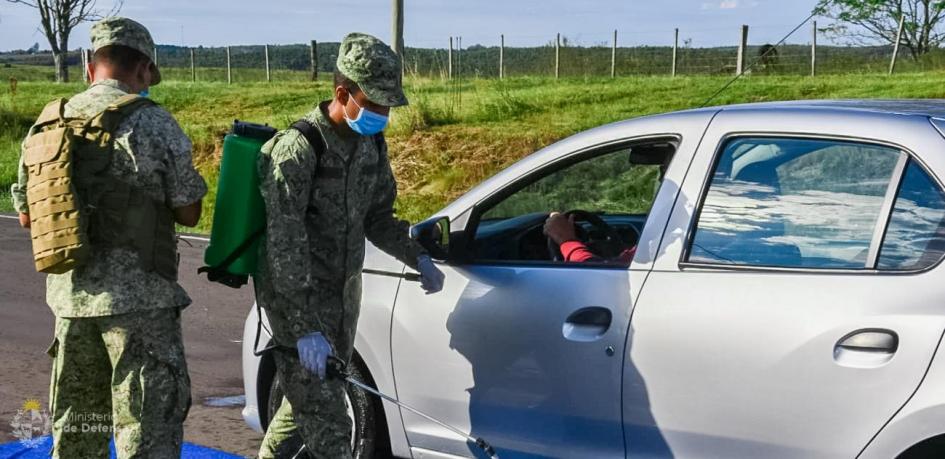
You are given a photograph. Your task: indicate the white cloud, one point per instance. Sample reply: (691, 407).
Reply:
(729, 4)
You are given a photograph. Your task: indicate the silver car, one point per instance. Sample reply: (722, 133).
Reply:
(784, 297)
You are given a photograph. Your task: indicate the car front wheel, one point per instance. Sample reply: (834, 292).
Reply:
(361, 409)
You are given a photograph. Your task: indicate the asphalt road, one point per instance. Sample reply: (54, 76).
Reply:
(213, 326)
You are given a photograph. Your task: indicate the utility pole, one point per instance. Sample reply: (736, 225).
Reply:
(229, 70)
(193, 66)
(892, 64)
(449, 71)
(397, 27)
(397, 31)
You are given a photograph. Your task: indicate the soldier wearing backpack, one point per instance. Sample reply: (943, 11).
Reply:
(327, 184)
(103, 178)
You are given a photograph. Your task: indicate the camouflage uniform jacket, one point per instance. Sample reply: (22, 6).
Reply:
(154, 154)
(318, 213)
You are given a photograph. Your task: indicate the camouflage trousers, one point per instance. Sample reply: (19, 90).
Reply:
(123, 375)
(311, 408)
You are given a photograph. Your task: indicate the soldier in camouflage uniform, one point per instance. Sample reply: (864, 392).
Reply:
(118, 355)
(319, 211)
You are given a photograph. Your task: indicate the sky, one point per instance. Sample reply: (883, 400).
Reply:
(430, 23)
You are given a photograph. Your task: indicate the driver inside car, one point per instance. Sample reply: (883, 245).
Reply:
(560, 228)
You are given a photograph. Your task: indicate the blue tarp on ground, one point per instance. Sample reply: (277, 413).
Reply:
(17, 450)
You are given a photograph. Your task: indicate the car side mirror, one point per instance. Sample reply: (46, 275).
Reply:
(433, 235)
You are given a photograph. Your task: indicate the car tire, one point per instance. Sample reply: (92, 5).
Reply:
(362, 408)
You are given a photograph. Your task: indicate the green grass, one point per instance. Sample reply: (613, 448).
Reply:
(453, 135)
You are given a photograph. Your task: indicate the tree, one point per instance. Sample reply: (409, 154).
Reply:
(57, 18)
(872, 19)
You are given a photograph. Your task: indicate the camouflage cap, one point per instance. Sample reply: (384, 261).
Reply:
(125, 32)
(374, 67)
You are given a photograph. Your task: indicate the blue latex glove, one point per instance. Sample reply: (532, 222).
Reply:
(314, 350)
(431, 278)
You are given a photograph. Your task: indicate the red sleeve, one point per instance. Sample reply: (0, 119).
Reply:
(575, 252)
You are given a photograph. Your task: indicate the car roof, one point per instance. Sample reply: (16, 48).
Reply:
(934, 108)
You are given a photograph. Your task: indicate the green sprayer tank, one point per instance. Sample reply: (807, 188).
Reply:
(239, 216)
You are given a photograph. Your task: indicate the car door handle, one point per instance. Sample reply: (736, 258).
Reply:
(587, 324)
(866, 348)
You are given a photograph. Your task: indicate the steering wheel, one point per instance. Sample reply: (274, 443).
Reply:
(612, 237)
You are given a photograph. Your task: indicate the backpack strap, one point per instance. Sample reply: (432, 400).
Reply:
(312, 134)
(380, 142)
(53, 111)
(314, 137)
(117, 111)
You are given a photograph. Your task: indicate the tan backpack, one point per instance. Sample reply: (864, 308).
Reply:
(59, 219)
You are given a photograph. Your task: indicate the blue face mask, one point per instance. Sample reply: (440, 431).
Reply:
(367, 122)
(144, 93)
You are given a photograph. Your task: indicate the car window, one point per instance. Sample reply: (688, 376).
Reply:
(794, 203)
(609, 183)
(618, 186)
(915, 237)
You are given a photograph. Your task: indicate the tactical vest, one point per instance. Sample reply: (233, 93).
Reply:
(74, 207)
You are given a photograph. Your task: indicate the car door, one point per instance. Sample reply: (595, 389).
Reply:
(776, 322)
(527, 353)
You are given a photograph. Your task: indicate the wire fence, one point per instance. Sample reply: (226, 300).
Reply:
(597, 55)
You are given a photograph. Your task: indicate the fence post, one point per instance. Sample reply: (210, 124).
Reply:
(813, 51)
(892, 64)
(613, 57)
(501, 56)
(675, 48)
(742, 49)
(313, 56)
(193, 66)
(450, 61)
(85, 65)
(229, 71)
(557, 55)
(268, 73)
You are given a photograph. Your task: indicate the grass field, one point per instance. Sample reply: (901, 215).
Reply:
(453, 135)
